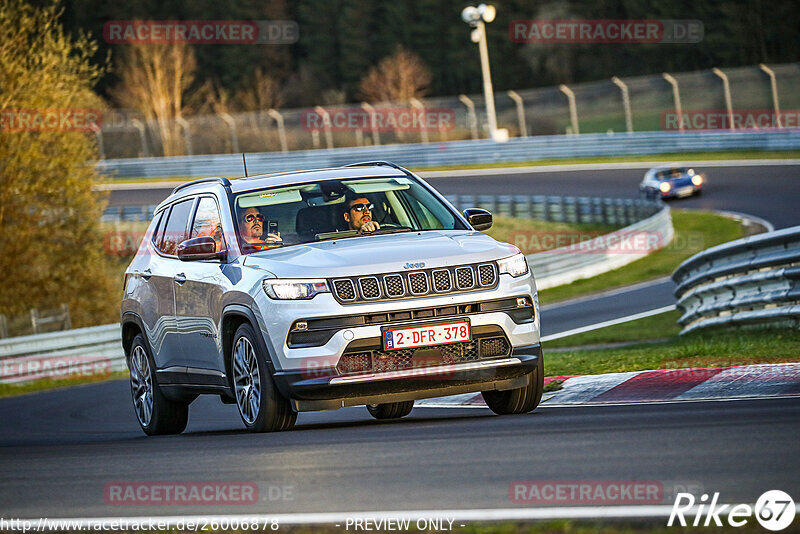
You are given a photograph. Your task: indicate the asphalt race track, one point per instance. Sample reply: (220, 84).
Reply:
(59, 449)
(767, 191)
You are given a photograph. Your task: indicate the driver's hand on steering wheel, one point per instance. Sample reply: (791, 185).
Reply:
(369, 226)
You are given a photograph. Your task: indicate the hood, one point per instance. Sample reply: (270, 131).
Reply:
(380, 254)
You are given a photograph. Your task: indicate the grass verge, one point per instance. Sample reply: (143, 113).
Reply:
(694, 231)
(11, 390)
(659, 326)
(701, 349)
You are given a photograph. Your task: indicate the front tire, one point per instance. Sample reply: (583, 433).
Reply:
(157, 415)
(261, 406)
(520, 400)
(391, 410)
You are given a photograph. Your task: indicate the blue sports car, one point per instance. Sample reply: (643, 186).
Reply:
(671, 182)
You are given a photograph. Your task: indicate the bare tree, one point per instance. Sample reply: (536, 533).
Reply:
(260, 93)
(210, 97)
(399, 77)
(154, 79)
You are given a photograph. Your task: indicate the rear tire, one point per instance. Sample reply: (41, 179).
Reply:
(157, 415)
(261, 406)
(391, 410)
(520, 400)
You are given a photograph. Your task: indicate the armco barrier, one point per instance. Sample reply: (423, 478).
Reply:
(455, 152)
(99, 348)
(69, 353)
(641, 218)
(755, 280)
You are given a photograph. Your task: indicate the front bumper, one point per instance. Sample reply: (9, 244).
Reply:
(323, 389)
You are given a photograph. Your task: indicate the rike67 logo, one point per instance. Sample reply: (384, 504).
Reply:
(774, 510)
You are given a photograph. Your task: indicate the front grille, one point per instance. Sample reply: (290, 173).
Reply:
(441, 280)
(394, 285)
(416, 284)
(356, 363)
(380, 361)
(345, 290)
(493, 346)
(370, 289)
(465, 278)
(486, 274)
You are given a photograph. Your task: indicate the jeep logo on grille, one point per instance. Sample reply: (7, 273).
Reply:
(418, 265)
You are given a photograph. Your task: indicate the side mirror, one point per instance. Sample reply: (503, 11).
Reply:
(199, 248)
(479, 219)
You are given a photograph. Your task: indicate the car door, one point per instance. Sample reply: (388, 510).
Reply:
(165, 341)
(199, 286)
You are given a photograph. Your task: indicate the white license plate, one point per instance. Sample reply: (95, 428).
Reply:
(685, 191)
(425, 336)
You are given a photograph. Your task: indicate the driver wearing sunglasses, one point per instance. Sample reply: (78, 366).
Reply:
(251, 225)
(359, 215)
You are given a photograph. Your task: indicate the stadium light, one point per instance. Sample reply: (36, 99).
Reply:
(477, 18)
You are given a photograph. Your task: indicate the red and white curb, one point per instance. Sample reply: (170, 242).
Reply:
(663, 385)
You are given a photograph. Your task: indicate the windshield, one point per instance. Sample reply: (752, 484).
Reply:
(668, 174)
(335, 209)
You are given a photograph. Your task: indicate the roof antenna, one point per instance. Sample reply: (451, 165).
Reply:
(245, 165)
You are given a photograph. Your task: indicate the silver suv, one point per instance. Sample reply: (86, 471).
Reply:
(314, 290)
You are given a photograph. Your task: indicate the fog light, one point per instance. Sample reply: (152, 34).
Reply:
(665, 187)
(301, 325)
(522, 302)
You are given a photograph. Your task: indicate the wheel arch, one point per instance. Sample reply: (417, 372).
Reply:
(233, 316)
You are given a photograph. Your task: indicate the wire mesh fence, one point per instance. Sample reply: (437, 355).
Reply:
(599, 108)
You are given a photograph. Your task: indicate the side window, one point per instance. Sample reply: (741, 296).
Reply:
(175, 229)
(158, 228)
(207, 222)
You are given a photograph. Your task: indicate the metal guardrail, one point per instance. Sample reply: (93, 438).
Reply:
(647, 224)
(455, 152)
(68, 353)
(603, 253)
(754, 280)
(99, 349)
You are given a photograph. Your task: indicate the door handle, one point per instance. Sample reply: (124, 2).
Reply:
(146, 274)
(180, 278)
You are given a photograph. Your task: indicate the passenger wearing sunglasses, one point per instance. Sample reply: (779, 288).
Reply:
(359, 215)
(251, 225)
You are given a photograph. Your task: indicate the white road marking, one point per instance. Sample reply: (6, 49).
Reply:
(611, 322)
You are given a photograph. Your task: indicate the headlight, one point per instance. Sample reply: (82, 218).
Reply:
(665, 187)
(515, 265)
(287, 289)
(697, 180)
